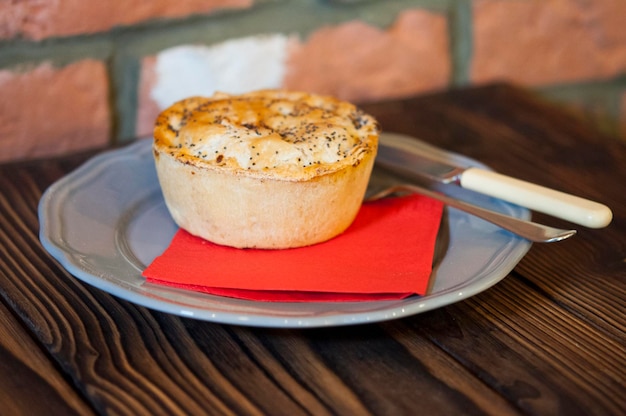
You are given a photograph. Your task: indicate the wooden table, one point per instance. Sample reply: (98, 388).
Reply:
(549, 339)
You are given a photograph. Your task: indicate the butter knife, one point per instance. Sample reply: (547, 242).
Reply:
(411, 164)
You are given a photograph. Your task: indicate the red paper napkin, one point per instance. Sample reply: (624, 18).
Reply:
(386, 253)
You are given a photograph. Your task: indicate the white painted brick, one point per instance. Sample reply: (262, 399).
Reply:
(234, 66)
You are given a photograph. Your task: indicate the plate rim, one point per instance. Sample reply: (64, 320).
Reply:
(387, 310)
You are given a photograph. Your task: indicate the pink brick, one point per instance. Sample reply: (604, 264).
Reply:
(39, 19)
(52, 111)
(358, 62)
(539, 42)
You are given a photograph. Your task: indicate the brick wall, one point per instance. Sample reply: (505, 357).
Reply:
(76, 75)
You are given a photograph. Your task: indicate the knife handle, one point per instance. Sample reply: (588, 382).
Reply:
(549, 201)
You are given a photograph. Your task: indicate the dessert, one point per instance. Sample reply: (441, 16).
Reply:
(266, 169)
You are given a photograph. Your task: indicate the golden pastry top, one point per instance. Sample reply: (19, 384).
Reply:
(267, 133)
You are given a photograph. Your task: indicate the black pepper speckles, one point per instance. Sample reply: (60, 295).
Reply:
(358, 119)
(268, 132)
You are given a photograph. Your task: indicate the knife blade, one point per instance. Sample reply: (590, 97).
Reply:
(396, 154)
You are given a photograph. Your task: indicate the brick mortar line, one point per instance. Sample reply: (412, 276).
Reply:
(122, 48)
(376, 14)
(461, 41)
(157, 34)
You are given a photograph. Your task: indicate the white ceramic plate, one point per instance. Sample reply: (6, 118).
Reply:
(106, 221)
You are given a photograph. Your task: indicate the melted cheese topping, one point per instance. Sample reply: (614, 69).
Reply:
(268, 133)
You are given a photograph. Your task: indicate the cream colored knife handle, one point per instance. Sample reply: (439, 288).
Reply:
(558, 204)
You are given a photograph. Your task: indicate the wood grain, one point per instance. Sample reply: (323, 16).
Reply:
(548, 340)
(27, 373)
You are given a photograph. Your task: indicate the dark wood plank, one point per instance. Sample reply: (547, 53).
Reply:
(549, 339)
(536, 141)
(533, 360)
(561, 308)
(30, 384)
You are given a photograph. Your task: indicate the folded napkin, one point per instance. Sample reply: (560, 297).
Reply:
(385, 254)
